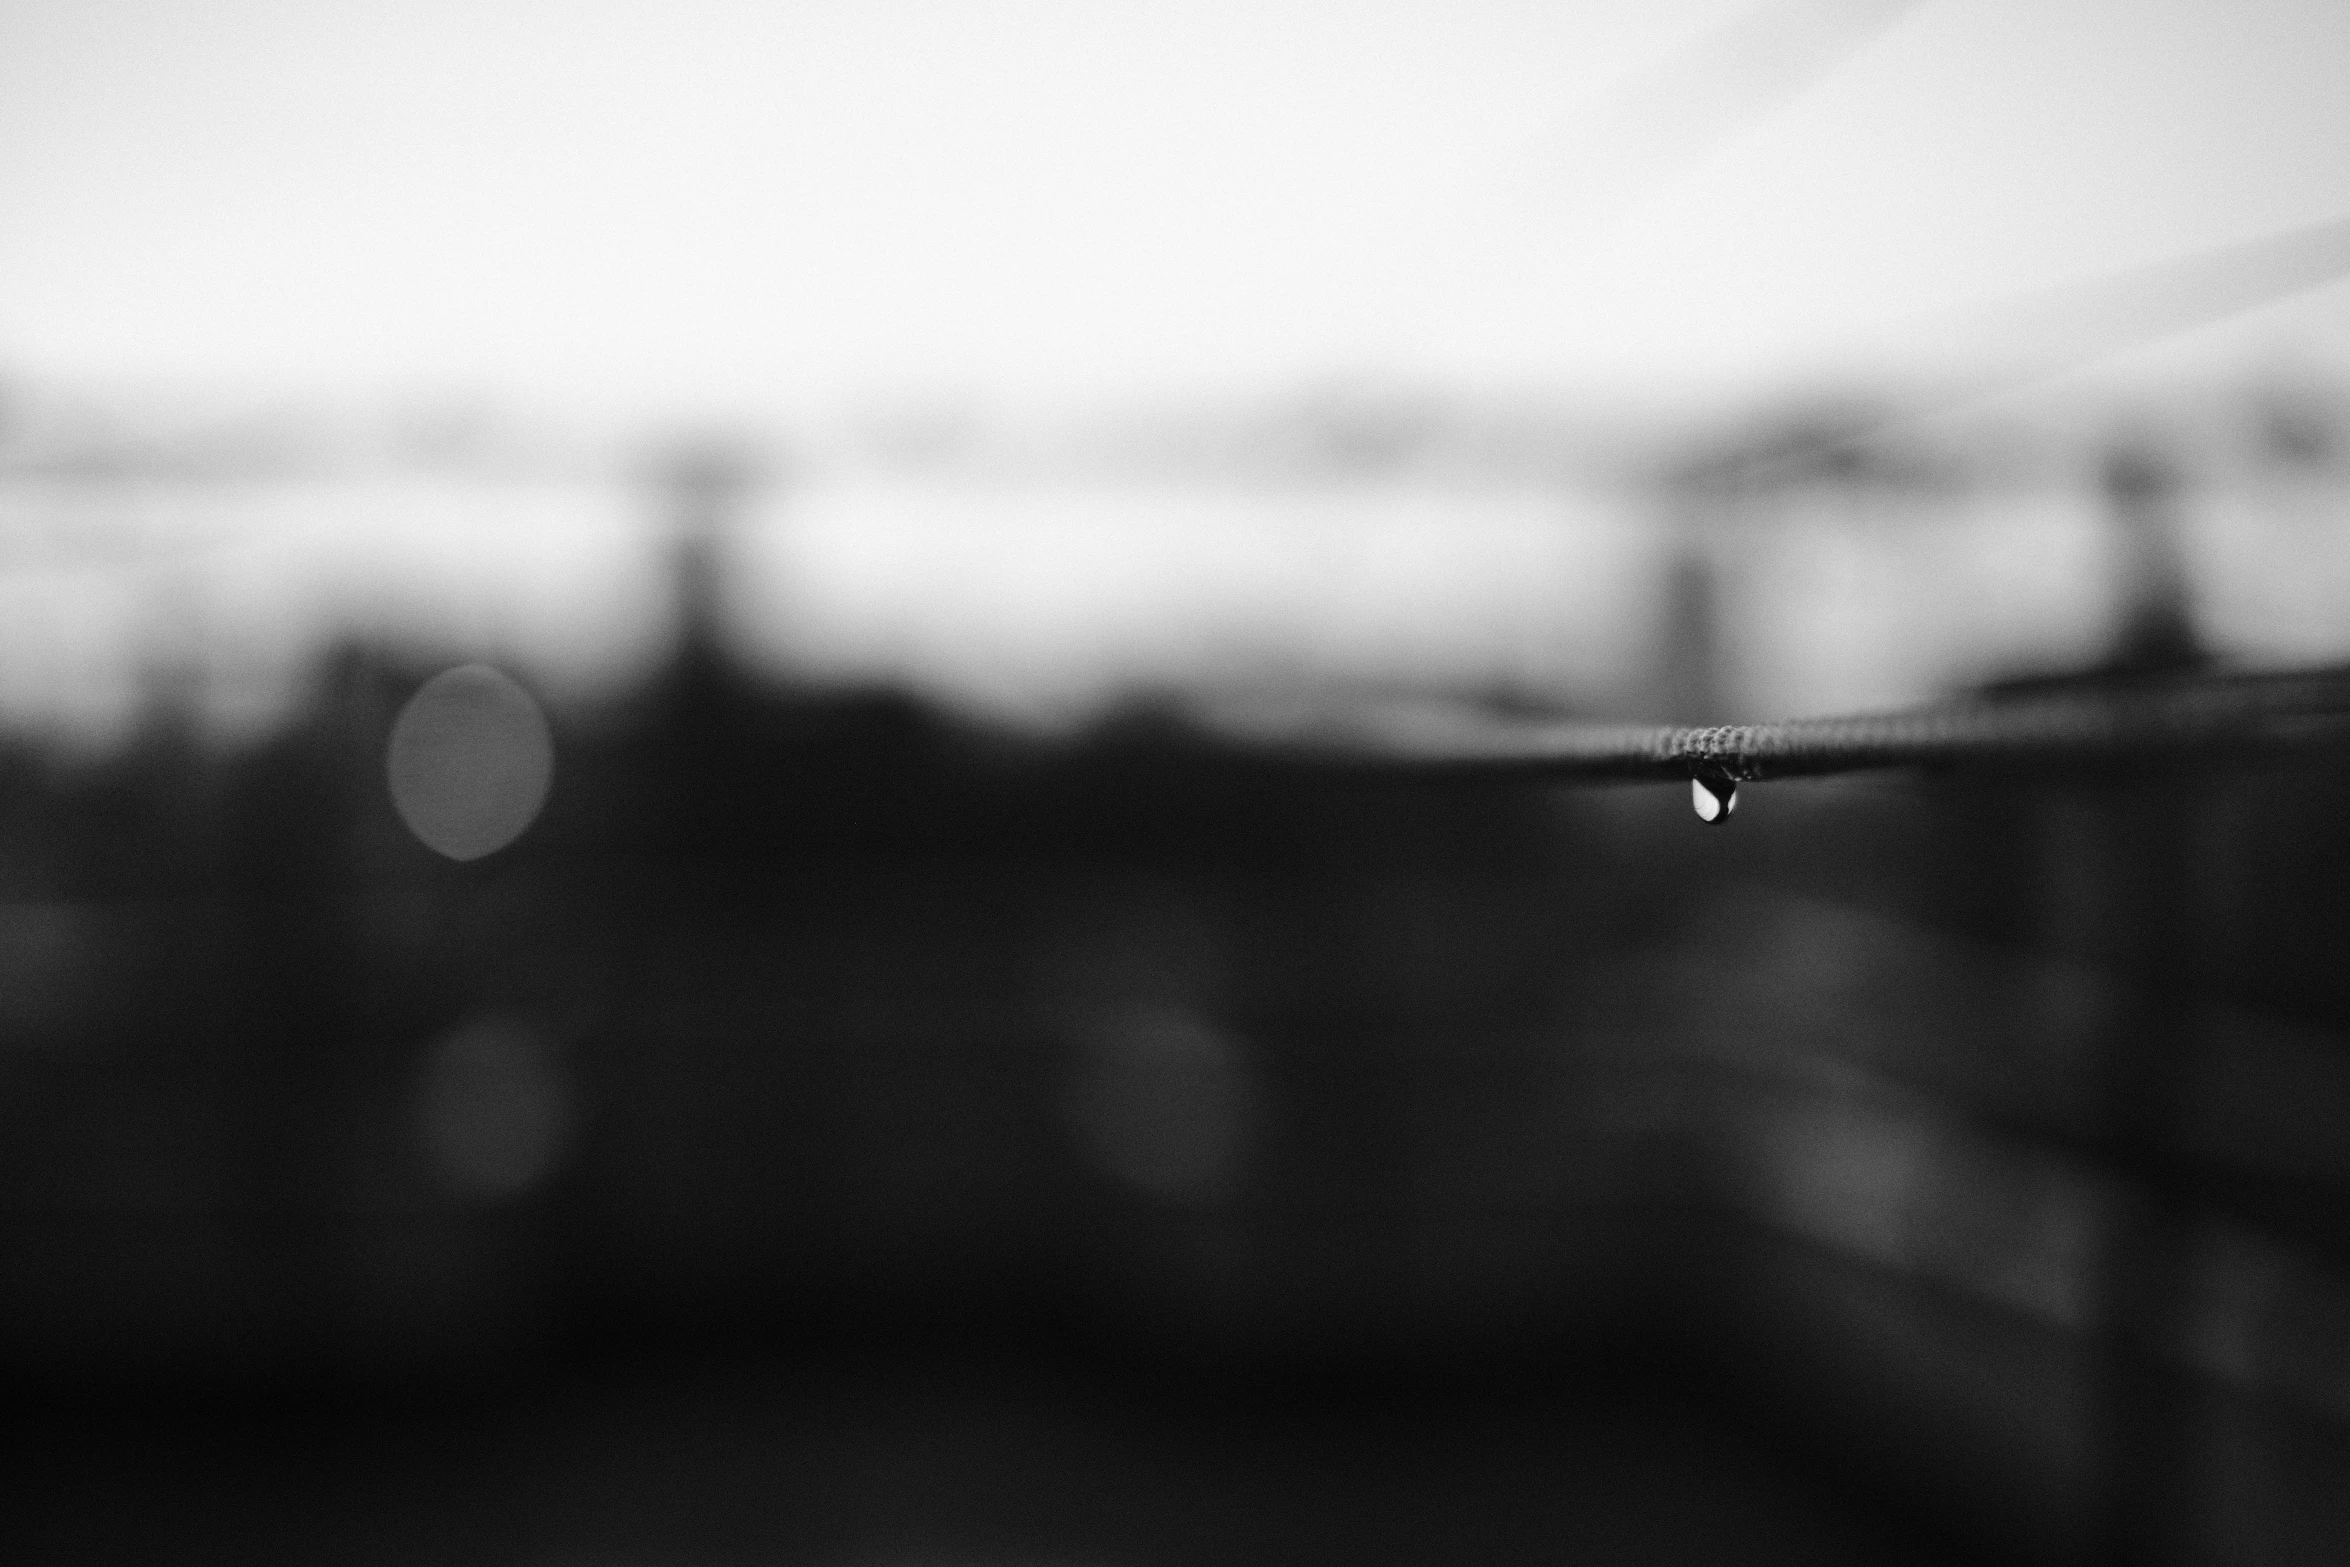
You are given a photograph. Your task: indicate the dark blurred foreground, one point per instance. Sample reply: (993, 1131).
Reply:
(833, 1134)
(909, 1459)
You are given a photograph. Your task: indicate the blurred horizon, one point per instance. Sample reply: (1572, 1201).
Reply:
(1083, 355)
(1039, 572)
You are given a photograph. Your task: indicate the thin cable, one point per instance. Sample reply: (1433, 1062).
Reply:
(1595, 166)
(1685, 106)
(2222, 714)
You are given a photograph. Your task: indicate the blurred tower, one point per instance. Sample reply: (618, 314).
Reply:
(1705, 502)
(173, 683)
(705, 486)
(2142, 853)
(1688, 664)
(701, 784)
(2155, 627)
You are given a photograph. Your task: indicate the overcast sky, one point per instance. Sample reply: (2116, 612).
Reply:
(768, 205)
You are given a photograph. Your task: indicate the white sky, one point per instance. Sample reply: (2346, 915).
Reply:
(749, 209)
(763, 205)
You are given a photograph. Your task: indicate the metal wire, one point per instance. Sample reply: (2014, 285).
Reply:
(2088, 722)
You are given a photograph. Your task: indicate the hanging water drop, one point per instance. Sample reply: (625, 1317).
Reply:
(1714, 798)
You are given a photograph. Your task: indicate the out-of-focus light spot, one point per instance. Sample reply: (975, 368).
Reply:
(497, 1109)
(470, 760)
(1166, 1104)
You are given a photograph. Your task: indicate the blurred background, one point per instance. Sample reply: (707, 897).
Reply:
(630, 932)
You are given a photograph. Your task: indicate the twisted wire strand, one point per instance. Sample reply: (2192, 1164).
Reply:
(2210, 715)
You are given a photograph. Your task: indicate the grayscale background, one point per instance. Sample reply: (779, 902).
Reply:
(633, 932)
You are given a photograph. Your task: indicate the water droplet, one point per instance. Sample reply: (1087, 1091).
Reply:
(1714, 798)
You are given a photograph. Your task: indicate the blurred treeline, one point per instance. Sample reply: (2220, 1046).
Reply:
(1941, 1117)
(812, 1006)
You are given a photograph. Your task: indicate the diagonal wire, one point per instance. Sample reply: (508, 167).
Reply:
(2109, 723)
(1590, 169)
(2038, 336)
(1689, 103)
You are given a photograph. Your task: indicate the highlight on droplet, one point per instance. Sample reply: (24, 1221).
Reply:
(469, 762)
(1713, 800)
